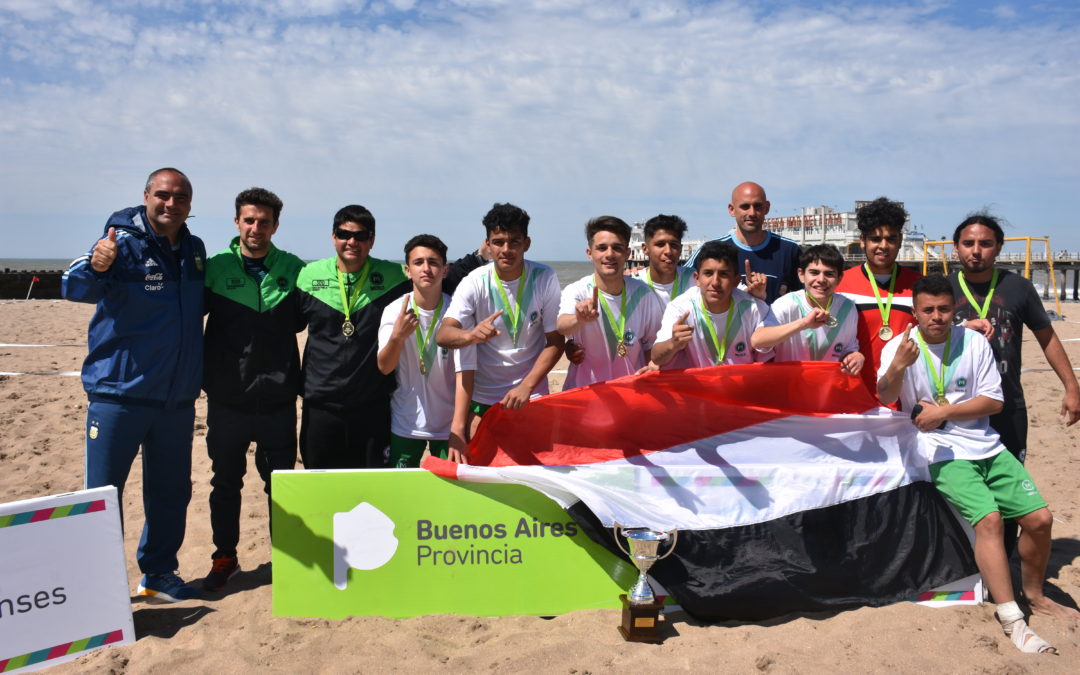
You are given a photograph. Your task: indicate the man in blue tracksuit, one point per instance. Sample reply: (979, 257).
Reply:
(144, 367)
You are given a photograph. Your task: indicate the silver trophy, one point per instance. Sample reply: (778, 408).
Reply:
(644, 550)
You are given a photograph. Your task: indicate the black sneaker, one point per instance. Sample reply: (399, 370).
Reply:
(222, 570)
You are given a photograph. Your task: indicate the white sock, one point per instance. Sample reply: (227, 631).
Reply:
(1008, 612)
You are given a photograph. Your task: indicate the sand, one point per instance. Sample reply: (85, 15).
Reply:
(41, 445)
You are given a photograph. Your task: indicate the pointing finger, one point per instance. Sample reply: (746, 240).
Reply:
(494, 316)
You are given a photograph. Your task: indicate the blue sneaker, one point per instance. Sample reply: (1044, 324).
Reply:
(168, 587)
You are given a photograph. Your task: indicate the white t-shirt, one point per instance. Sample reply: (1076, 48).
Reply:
(602, 361)
(821, 343)
(750, 313)
(503, 362)
(970, 372)
(423, 405)
(684, 277)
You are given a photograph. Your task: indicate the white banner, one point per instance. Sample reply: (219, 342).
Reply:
(63, 579)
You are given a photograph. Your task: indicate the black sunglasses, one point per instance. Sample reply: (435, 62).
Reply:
(346, 235)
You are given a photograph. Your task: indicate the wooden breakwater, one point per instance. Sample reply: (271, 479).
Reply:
(14, 284)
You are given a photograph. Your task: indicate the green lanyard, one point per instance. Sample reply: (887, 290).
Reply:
(674, 284)
(937, 377)
(347, 300)
(618, 329)
(985, 307)
(886, 311)
(512, 315)
(423, 342)
(720, 347)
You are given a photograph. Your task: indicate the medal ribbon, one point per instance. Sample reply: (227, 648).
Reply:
(937, 377)
(886, 311)
(354, 293)
(985, 307)
(674, 285)
(425, 345)
(618, 329)
(719, 347)
(830, 334)
(511, 314)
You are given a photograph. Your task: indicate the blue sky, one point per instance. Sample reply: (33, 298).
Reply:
(427, 112)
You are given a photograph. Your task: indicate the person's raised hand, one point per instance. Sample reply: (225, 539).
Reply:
(104, 252)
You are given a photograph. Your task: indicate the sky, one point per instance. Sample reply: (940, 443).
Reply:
(429, 111)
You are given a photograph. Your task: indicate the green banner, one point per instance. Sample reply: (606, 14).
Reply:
(405, 542)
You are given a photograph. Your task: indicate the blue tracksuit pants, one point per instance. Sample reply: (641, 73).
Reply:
(114, 434)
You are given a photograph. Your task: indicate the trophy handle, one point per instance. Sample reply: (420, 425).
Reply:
(674, 534)
(617, 529)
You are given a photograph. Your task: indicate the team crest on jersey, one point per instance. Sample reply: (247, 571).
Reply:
(283, 283)
(961, 382)
(321, 283)
(93, 433)
(533, 316)
(198, 263)
(233, 284)
(444, 352)
(628, 337)
(740, 347)
(838, 347)
(376, 280)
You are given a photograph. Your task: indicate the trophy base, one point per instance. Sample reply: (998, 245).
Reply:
(640, 622)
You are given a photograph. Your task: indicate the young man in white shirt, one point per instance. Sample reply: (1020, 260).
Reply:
(711, 324)
(815, 323)
(614, 318)
(423, 411)
(663, 247)
(946, 375)
(508, 308)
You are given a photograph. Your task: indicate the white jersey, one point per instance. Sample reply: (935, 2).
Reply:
(683, 281)
(503, 361)
(423, 403)
(750, 313)
(599, 338)
(821, 343)
(970, 372)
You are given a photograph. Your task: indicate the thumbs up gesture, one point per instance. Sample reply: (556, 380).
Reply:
(104, 253)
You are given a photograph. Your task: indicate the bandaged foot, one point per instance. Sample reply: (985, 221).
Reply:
(1012, 622)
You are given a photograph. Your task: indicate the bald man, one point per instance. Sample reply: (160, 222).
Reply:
(772, 260)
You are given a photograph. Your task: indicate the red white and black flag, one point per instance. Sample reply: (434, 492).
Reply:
(791, 488)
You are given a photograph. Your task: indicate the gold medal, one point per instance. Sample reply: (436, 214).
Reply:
(621, 350)
(941, 400)
(423, 368)
(347, 328)
(885, 333)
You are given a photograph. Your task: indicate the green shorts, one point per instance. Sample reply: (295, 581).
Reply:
(405, 453)
(979, 487)
(479, 409)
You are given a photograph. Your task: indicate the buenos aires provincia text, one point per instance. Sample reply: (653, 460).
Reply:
(447, 544)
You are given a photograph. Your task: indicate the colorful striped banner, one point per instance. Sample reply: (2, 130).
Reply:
(945, 596)
(51, 513)
(66, 649)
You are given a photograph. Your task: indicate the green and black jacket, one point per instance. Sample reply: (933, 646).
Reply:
(251, 360)
(342, 372)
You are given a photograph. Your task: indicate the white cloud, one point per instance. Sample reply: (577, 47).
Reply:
(570, 108)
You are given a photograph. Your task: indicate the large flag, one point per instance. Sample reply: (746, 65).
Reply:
(791, 488)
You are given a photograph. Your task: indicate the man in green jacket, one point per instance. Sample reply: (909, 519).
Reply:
(251, 371)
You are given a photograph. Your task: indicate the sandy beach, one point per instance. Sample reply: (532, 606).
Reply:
(42, 412)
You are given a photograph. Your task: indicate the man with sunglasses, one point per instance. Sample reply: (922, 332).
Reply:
(251, 368)
(345, 423)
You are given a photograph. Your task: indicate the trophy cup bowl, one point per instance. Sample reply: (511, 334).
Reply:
(641, 611)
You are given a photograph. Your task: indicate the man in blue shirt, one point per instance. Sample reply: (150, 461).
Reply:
(144, 367)
(766, 257)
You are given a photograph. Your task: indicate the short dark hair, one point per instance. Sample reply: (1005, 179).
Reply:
(508, 218)
(826, 254)
(880, 213)
(933, 284)
(154, 174)
(980, 218)
(257, 196)
(427, 241)
(718, 250)
(672, 224)
(354, 213)
(616, 226)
